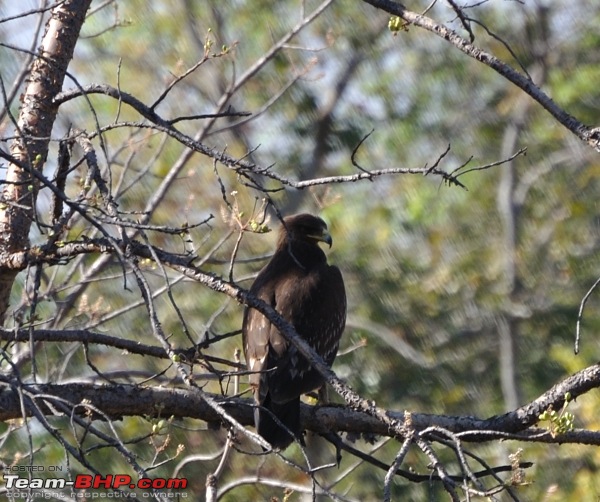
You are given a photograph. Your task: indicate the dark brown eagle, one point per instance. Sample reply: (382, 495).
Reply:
(307, 292)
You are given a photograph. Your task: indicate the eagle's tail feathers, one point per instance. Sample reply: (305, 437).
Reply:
(279, 423)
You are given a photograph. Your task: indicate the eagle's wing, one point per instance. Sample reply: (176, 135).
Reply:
(256, 329)
(315, 304)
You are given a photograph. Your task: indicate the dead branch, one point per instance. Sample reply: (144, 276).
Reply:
(585, 133)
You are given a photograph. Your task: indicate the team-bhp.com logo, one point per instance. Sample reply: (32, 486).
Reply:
(15, 484)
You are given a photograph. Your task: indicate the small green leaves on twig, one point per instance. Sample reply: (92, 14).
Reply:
(396, 24)
(258, 227)
(559, 422)
(208, 43)
(256, 222)
(158, 425)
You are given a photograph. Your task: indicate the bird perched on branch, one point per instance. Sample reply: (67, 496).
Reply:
(307, 292)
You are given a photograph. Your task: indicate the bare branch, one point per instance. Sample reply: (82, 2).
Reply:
(131, 400)
(583, 132)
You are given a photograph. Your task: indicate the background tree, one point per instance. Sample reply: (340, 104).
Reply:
(140, 187)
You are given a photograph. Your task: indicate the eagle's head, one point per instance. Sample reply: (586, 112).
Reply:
(305, 227)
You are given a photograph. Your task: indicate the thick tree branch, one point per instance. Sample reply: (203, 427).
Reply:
(117, 401)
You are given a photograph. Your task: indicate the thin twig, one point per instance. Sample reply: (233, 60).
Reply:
(580, 314)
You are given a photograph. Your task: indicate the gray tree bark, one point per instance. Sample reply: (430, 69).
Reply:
(33, 129)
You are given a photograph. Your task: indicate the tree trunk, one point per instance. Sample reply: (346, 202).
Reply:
(34, 127)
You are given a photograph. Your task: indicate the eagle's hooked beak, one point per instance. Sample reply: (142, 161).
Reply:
(325, 237)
